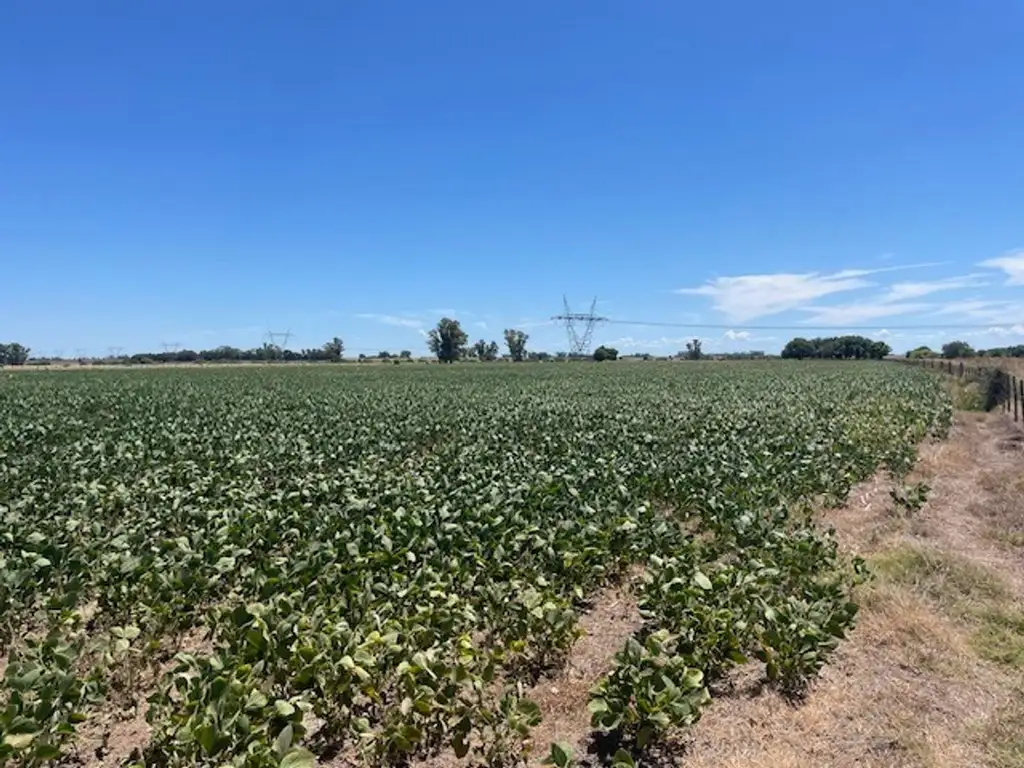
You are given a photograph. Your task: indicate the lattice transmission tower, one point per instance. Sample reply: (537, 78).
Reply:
(579, 327)
(278, 341)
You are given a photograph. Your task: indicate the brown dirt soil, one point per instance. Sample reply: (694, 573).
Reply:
(563, 699)
(562, 696)
(115, 736)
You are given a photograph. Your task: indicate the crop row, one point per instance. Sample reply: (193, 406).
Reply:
(380, 562)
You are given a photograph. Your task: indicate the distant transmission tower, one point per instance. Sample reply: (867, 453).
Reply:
(171, 346)
(115, 352)
(579, 327)
(279, 340)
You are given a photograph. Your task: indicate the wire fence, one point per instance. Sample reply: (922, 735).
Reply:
(1004, 390)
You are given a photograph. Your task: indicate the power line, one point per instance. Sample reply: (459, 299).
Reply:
(805, 327)
(579, 341)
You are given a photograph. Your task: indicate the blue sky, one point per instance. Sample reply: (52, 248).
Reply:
(202, 172)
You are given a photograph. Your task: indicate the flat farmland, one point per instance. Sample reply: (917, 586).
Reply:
(382, 565)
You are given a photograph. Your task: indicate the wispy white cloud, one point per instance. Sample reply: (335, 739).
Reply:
(972, 307)
(883, 333)
(396, 320)
(1013, 330)
(449, 312)
(983, 310)
(915, 290)
(736, 335)
(854, 314)
(1011, 263)
(746, 297)
(630, 342)
(535, 323)
(677, 343)
(751, 296)
(481, 324)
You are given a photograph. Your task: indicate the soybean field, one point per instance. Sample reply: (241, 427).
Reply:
(282, 565)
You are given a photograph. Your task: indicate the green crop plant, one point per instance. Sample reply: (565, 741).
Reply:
(399, 550)
(44, 699)
(650, 690)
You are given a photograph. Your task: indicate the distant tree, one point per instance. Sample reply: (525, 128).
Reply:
(362, 357)
(957, 349)
(693, 350)
(447, 340)
(603, 353)
(405, 354)
(538, 356)
(13, 354)
(515, 340)
(836, 348)
(921, 353)
(561, 355)
(221, 353)
(484, 351)
(1014, 351)
(334, 349)
(384, 354)
(878, 350)
(798, 349)
(827, 349)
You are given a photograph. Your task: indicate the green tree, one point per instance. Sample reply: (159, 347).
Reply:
(484, 351)
(13, 354)
(405, 354)
(954, 349)
(693, 350)
(515, 340)
(447, 340)
(798, 349)
(334, 349)
(490, 351)
(878, 350)
(603, 353)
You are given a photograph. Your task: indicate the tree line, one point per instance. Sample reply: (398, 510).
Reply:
(836, 348)
(952, 350)
(448, 342)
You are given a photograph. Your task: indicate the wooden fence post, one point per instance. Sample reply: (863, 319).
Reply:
(1013, 386)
